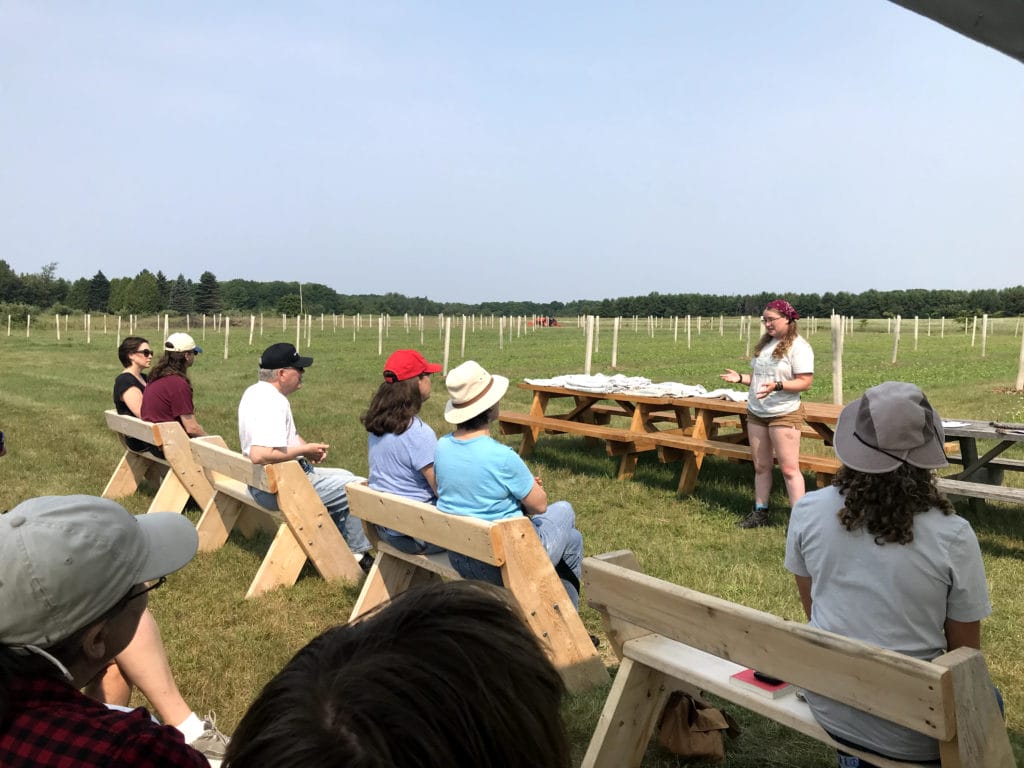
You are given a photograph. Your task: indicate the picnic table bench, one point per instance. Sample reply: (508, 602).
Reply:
(172, 471)
(511, 544)
(988, 467)
(669, 637)
(696, 427)
(302, 528)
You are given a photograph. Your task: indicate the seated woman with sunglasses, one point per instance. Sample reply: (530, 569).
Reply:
(783, 367)
(135, 355)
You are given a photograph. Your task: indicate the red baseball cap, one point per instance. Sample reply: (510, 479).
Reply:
(407, 364)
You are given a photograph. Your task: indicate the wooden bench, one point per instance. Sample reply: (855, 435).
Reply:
(176, 476)
(672, 445)
(966, 488)
(511, 545)
(603, 413)
(302, 529)
(618, 441)
(669, 637)
(675, 447)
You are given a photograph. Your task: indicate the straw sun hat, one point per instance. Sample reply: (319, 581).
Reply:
(471, 391)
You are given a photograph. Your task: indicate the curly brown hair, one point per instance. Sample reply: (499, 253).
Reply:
(885, 504)
(784, 343)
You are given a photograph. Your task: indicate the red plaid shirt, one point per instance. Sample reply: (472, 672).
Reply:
(52, 725)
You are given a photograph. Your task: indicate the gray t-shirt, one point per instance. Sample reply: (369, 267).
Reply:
(896, 596)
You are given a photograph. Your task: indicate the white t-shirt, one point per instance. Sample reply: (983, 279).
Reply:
(896, 596)
(799, 359)
(265, 418)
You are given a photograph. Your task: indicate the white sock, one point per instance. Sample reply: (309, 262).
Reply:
(192, 728)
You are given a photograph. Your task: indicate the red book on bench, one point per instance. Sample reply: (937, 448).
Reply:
(746, 679)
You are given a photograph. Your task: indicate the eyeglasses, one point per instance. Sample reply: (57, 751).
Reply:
(770, 320)
(300, 370)
(123, 602)
(146, 352)
(155, 585)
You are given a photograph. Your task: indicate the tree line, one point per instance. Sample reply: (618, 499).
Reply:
(149, 293)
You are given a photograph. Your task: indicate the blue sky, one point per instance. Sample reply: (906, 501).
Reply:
(547, 151)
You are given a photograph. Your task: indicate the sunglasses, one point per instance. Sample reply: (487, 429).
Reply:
(146, 352)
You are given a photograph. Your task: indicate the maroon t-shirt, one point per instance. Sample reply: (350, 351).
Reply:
(167, 399)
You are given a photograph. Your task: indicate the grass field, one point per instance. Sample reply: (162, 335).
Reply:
(223, 648)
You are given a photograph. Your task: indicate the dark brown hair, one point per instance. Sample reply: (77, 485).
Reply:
(446, 675)
(885, 503)
(128, 347)
(393, 407)
(171, 364)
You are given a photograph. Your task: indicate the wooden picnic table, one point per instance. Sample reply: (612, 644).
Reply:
(982, 476)
(678, 428)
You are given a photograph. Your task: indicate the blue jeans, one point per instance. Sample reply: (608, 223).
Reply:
(557, 532)
(329, 485)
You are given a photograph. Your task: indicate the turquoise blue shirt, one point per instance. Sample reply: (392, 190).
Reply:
(480, 477)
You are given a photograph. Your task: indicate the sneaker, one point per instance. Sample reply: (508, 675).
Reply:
(756, 519)
(212, 743)
(366, 562)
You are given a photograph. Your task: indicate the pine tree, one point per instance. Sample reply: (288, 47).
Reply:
(207, 295)
(99, 292)
(180, 296)
(163, 286)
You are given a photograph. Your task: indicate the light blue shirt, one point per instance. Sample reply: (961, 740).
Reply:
(480, 477)
(397, 461)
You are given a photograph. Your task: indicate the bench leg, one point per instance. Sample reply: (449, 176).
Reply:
(155, 473)
(217, 521)
(627, 466)
(252, 521)
(388, 578)
(528, 575)
(281, 566)
(981, 739)
(312, 528)
(171, 496)
(629, 718)
(130, 471)
(691, 468)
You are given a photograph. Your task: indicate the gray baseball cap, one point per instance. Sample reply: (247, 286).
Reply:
(67, 560)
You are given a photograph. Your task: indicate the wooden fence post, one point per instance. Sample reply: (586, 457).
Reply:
(837, 360)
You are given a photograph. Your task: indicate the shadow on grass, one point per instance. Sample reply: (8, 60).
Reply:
(257, 547)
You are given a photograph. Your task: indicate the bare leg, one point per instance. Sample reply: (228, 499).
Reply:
(144, 664)
(786, 442)
(761, 453)
(110, 687)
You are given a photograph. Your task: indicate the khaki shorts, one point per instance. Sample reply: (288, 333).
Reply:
(794, 419)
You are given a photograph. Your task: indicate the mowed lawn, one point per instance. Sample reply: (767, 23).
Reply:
(223, 648)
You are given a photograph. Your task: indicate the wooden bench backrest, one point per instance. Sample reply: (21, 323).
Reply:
(217, 458)
(918, 694)
(466, 535)
(129, 426)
